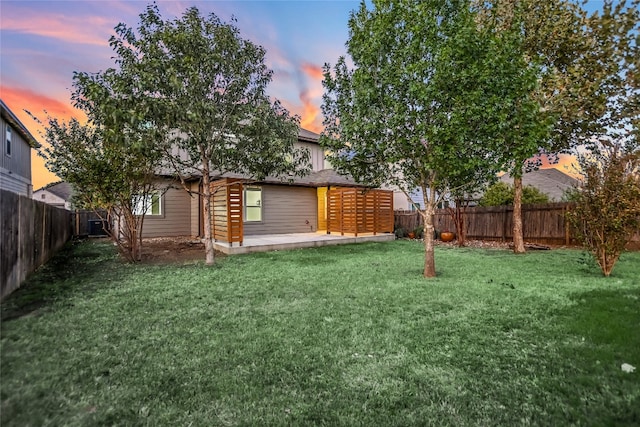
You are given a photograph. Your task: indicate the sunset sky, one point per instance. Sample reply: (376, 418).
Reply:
(44, 42)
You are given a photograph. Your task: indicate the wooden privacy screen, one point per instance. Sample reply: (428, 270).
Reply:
(355, 211)
(226, 222)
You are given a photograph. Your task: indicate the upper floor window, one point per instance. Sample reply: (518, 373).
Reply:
(8, 144)
(150, 204)
(252, 204)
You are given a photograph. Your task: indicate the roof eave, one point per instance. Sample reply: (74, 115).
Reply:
(11, 118)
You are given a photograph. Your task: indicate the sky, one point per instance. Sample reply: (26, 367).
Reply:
(43, 42)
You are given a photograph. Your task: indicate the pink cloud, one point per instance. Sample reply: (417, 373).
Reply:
(312, 70)
(19, 100)
(92, 30)
(310, 113)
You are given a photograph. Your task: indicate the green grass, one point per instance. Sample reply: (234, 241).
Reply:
(344, 335)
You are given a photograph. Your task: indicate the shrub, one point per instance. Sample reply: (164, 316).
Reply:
(607, 212)
(501, 193)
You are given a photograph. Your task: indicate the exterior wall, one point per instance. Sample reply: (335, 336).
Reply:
(49, 198)
(175, 219)
(400, 201)
(15, 170)
(195, 209)
(317, 155)
(286, 209)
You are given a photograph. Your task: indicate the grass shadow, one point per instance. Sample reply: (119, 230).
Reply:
(78, 267)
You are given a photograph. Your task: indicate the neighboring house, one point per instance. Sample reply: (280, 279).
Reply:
(15, 159)
(56, 194)
(321, 201)
(552, 182)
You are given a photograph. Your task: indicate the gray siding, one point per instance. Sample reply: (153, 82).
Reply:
(195, 209)
(317, 154)
(175, 219)
(14, 183)
(15, 169)
(285, 209)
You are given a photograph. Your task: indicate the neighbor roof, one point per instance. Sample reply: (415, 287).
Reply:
(551, 182)
(62, 189)
(11, 118)
(308, 136)
(322, 178)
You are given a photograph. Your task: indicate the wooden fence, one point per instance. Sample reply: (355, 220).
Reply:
(543, 223)
(31, 232)
(354, 211)
(89, 223)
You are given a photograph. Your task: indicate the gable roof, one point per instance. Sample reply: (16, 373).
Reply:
(308, 136)
(62, 189)
(322, 178)
(11, 118)
(551, 182)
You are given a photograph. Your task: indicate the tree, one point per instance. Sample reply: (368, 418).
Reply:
(201, 78)
(111, 160)
(607, 211)
(582, 59)
(501, 193)
(429, 90)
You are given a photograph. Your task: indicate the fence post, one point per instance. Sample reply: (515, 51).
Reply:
(567, 231)
(504, 223)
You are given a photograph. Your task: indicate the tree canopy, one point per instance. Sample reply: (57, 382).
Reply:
(422, 107)
(587, 72)
(207, 86)
(112, 159)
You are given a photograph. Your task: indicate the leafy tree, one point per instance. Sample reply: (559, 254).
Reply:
(428, 92)
(501, 193)
(205, 81)
(607, 211)
(111, 160)
(584, 62)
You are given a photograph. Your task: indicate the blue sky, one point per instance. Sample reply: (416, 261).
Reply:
(44, 42)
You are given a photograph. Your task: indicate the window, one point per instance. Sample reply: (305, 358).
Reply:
(253, 204)
(8, 141)
(148, 205)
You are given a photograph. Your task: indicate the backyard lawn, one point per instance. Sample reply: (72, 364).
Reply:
(341, 335)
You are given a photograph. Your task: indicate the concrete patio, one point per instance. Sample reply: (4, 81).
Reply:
(278, 242)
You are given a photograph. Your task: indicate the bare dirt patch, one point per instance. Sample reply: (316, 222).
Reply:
(174, 250)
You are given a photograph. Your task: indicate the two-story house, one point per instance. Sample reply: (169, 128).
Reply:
(15, 158)
(321, 201)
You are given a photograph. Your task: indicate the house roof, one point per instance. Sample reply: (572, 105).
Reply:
(308, 136)
(322, 178)
(551, 182)
(11, 118)
(62, 189)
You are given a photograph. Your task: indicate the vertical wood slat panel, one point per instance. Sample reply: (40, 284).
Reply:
(227, 219)
(356, 211)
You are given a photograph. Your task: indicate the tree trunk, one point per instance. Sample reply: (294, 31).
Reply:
(206, 210)
(518, 238)
(429, 252)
